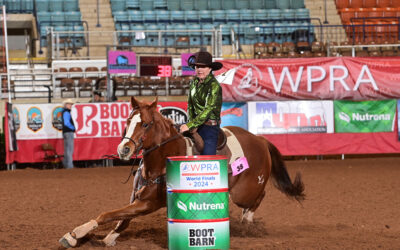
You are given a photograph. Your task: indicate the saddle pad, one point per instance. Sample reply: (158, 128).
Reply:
(233, 145)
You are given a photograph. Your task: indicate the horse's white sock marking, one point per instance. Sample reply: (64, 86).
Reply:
(109, 240)
(248, 216)
(233, 145)
(82, 230)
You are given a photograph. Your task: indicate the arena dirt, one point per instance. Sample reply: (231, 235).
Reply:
(351, 204)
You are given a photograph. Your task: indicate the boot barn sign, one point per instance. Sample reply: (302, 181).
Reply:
(336, 78)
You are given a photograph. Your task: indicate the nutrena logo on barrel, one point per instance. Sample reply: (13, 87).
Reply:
(197, 202)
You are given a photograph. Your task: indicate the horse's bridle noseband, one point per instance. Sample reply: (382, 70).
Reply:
(137, 149)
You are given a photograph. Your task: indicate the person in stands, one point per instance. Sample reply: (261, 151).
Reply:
(68, 129)
(204, 101)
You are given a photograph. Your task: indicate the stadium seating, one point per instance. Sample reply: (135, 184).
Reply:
(238, 15)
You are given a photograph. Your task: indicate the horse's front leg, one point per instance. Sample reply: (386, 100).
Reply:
(138, 207)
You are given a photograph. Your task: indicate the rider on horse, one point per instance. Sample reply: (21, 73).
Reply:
(204, 101)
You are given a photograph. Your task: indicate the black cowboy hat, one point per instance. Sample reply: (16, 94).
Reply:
(203, 58)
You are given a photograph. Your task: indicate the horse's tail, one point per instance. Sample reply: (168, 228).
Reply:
(281, 177)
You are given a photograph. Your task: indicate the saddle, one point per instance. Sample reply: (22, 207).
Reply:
(199, 143)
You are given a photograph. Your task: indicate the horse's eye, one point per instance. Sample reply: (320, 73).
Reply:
(145, 125)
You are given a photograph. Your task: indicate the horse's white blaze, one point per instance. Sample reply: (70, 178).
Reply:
(134, 121)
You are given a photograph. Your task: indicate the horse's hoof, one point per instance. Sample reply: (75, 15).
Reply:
(68, 241)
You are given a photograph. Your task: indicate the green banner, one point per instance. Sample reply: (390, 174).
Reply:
(365, 116)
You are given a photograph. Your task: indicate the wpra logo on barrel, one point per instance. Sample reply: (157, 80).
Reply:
(200, 174)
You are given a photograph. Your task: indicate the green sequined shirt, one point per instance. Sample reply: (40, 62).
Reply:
(205, 101)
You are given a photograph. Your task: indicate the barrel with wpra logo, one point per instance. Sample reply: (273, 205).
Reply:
(197, 202)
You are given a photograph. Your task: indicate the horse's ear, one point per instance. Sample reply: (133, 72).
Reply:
(134, 103)
(154, 103)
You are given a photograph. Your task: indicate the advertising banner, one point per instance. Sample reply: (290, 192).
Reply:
(121, 62)
(186, 70)
(290, 117)
(99, 127)
(364, 117)
(398, 120)
(234, 114)
(329, 78)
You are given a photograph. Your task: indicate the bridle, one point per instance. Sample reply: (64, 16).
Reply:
(159, 179)
(141, 139)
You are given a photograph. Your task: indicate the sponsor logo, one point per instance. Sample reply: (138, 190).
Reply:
(370, 117)
(249, 84)
(210, 167)
(344, 117)
(35, 119)
(56, 120)
(201, 237)
(178, 115)
(200, 206)
(17, 120)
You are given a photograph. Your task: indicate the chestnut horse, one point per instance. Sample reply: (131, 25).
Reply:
(157, 136)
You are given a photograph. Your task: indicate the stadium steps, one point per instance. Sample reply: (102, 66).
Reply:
(317, 10)
(96, 34)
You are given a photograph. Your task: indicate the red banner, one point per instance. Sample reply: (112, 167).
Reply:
(99, 127)
(329, 78)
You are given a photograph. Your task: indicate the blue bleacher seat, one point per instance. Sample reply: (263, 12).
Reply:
(71, 5)
(191, 16)
(27, 6)
(205, 16)
(219, 17)
(57, 18)
(232, 16)
(270, 4)
(177, 16)
(55, 5)
(152, 37)
(146, 4)
(132, 4)
(256, 4)
(215, 5)
(246, 16)
(283, 4)
(260, 16)
(149, 16)
(135, 16)
(274, 14)
(13, 6)
(288, 13)
(44, 16)
(160, 4)
(242, 4)
(228, 4)
(163, 16)
(297, 4)
(42, 5)
(195, 34)
(201, 5)
(302, 13)
(79, 38)
(117, 5)
(121, 16)
(207, 35)
(173, 5)
(187, 4)
(138, 28)
(72, 17)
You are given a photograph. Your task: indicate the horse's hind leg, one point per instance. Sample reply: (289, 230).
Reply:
(109, 240)
(248, 213)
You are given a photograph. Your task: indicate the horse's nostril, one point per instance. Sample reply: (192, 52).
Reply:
(126, 150)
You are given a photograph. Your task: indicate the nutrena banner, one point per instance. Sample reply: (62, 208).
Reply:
(364, 117)
(329, 78)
